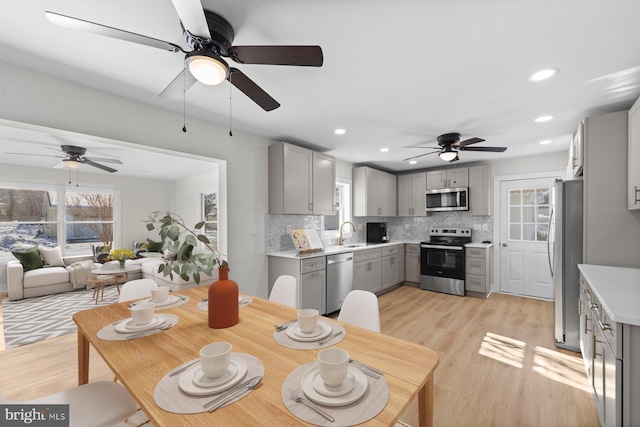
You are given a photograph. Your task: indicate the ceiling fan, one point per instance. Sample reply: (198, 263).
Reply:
(449, 142)
(210, 36)
(75, 157)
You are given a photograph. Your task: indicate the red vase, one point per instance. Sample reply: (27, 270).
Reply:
(223, 301)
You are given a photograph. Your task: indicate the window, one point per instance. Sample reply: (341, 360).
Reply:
(529, 211)
(30, 215)
(210, 218)
(343, 211)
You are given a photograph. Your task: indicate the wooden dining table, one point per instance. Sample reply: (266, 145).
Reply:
(141, 363)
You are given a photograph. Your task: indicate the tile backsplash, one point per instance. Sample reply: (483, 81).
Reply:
(399, 228)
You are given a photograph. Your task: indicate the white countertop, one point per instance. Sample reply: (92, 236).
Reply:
(478, 245)
(617, 288)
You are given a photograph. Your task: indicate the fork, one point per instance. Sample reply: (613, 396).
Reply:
(309, 405)
(149, 332)
(330, 337)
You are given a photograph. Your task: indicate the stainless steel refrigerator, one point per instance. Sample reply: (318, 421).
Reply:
(565, 253)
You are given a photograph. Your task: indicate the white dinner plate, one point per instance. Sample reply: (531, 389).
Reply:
(187, 384)
(239, 299)
(358, 390)
(340, 390)
(201, 380)
(322, 330)
(171, 299)
(127, 326)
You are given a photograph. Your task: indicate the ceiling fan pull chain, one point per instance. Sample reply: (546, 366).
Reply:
(69, 170)
(76, 177)
(184, 100)
(230, 109)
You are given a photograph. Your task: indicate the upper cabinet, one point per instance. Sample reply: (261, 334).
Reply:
(374, 192)
(448, 178)
(479, 194)
(411, 190)
(576, 151)
(301, 181)
(634, 157)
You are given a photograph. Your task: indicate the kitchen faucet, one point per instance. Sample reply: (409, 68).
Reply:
(353, 228)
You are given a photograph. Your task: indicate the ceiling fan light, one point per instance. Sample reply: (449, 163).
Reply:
(72, 163)
(448, 155)
(207, 68)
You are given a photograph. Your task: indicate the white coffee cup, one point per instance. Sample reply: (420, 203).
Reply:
(307, 320)
(142, 312)
(334, 363)
(160, 294)
(215, 358)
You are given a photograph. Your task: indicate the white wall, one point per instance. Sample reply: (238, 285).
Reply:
(34, 98)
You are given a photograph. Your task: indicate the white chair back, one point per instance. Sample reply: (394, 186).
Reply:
(136, 289)
(360, 308)
(284, 291)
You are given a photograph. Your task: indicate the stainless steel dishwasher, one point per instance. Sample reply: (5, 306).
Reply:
(339, 279)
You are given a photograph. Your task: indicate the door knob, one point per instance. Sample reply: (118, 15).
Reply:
(504, 244)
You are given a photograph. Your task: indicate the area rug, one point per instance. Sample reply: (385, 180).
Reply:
(34, 319)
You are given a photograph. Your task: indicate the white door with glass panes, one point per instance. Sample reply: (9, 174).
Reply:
(525, 207)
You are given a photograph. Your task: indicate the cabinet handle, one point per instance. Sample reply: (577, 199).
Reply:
(636, 191)
(606, 327)
(579, 307)
(593, 348)
(310, 207)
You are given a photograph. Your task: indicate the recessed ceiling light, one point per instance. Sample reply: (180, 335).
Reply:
(339, 131)
(545, 142)
(543, 74)
(384, 150)
(542, 119)
(413, 162)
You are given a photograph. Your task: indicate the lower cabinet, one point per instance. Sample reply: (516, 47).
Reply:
(311, 279)
(367, 270)
(477, 280)
(412, 263)
(390, 267)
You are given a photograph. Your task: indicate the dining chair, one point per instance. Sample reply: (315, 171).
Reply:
(284, 291)
(136, 289)
(100, 404)
(360, 308)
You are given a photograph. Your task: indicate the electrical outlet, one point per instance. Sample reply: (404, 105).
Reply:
(485, 227)
(288, 228)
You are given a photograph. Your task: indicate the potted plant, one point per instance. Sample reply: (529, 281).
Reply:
(180, 241)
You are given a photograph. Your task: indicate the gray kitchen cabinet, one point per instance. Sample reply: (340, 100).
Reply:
(412, 263)
(301, 181)
(634, 157)
(577, 150)
(447, 178)
(411, 199)
(479, 190)
(310, 274)
(390, 266)
(367, 270)
(374, 192)
(477, 281)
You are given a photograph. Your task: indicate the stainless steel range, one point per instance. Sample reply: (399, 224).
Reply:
(442, 260)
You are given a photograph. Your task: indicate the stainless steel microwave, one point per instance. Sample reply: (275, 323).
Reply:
(447, 199)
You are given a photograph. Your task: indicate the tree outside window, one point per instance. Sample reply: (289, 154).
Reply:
(210, 217)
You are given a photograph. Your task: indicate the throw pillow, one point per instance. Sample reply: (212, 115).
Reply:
(139, 248)
(52, 257)
(154, 246)
(30, 259)
(184, 253)
(101, 253)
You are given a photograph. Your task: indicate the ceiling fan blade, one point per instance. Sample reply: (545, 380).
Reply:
(421, 155)
(104, 30)
(98, 165)
(39, 155)
(421, 146)
(252, 90)
(99, 159)
(191, 15)
(179, 85)
(468, 142)
(492, 149)
(310, 56)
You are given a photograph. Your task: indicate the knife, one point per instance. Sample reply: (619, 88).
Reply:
(223, 398)
(330, 337)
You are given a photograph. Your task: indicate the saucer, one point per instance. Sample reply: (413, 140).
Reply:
(127, 326)
(171, 299)
(339, 390)
(201, 380)
(359, 388)
(322, 330)
(187, 385)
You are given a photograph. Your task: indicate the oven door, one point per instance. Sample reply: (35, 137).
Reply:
(442, 269)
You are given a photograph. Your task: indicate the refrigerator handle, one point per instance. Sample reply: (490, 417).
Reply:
(549, 243)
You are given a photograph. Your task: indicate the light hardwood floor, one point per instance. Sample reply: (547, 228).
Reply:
(498, 364)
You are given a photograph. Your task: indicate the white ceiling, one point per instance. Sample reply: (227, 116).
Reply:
(395, 73)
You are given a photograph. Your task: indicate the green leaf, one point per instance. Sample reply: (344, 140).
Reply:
(203, 238)
(174, 232)
(199, 225)
(190, 239)
(160, 268)
(196, 277)
(150, 226)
